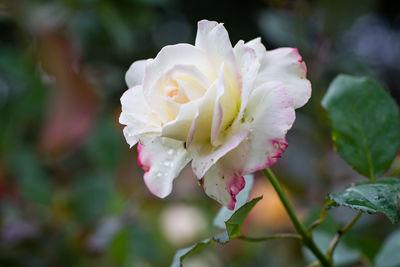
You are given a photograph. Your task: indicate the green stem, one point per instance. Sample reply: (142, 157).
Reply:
(300, 229)
(270, 237)
(321, 218)
(314, 264)
(340, 233)
(395, 172)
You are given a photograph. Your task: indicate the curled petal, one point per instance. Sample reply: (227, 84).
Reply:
(214, 39)
(179, 128)
(135, 74)
(223, 184)
(225, 108)
(168, 58)
(204, 156)
(137, 115)
(269, 115)
(190, 80)
(249, 66)
(162, 159)
(258, 47)
(286, 66)
(200, 129)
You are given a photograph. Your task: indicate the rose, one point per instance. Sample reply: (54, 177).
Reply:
(227, 110)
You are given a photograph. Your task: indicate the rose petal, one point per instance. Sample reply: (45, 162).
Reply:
(286, 66)
(166, 59)
(135, 74)
(206, 155)
(190, 80)
(137, 115)
(249, 66)
(225, 109)
(214, 39)
(162, 160)
(200, 129)
(258, 47)
(223, 184)
(179, 128)
(269, 115)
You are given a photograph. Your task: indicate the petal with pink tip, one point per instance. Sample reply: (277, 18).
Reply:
(223, 184)
(205, 155)
(162, 159)
(286, 66)
(269, 115)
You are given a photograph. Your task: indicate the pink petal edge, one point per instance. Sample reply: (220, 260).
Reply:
(234, 187)
(145, 168)
(303, 65)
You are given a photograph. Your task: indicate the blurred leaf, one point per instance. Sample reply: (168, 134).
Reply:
(224, 213)
(284, 28)
(389, 255)
(116, 26)
(105, 145)
(90, 197)
(368, 245)
(72, 110)
(234, 224)
(120, 247)
(365, 123)
(33, 182)
(378, 196)
(24, 98)
(349, 11)
(181, 254)
(133, 243)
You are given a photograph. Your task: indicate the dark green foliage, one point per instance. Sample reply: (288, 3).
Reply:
(365, 124)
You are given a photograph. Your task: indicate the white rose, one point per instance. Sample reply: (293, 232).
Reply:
(227, 110)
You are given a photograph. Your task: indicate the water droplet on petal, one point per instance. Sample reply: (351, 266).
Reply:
(170, 152)
(158, 174)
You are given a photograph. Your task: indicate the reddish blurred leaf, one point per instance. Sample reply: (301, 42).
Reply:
(73, 104)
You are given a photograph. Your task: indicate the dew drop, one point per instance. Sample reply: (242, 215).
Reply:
(158, 174)
(170, 152)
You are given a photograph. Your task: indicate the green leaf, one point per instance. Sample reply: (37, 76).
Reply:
(378, 196)
(33, 181)
(389, 255)
(234, 224)
(365, 123)
(181, 254)
(224, 213)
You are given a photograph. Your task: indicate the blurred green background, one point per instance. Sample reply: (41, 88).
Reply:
(71, 192)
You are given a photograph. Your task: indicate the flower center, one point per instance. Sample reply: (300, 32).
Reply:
(173, 91)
